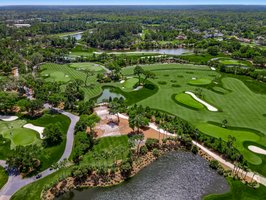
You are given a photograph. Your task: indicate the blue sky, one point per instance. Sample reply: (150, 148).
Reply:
(128, 2)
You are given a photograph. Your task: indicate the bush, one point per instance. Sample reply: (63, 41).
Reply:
(194, 149)
(125, 169)
(214, 164)
(156, 152)
(162, 82)
(152, 143)
(143, 150)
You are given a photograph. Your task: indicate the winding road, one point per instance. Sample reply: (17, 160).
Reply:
(15, 182)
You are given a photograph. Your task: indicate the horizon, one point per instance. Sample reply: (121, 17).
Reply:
(131, 2)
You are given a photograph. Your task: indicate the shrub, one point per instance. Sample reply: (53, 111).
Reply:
(152, 143)
(194, 149)
(214, 164)
(125, 169)
(143, 150)
(175, 85)
(162, 82)
(156, 152)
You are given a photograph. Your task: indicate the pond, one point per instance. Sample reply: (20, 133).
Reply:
(75, 35)
(107, 94)
(176, 51)
(177, 175)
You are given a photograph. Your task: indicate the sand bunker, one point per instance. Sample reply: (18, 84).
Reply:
(213, 68)
(122, 81)
(256, 149)
(7, 118)
(39, 129)
(209, 107)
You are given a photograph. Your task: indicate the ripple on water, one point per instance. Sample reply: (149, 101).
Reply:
(177, 175)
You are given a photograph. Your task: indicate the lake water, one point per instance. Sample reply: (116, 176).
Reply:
(106, 94)
(76, 35)
(175, 176)
(176, 51)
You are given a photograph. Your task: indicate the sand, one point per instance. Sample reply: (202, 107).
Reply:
(39, 129)
(209, 107)
(8, 118)
(256, 149)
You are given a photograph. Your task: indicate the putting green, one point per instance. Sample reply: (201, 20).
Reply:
(86, 66)
(21, 136)
(201, 81)
(130, 83)
(240, 135)
(187, 100)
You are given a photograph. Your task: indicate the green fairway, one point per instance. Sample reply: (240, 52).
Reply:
(187, 100)
(227, 61)
(201, 81)
(238, 101)
(86, 66)
(3, 177)
(65, 73)
(240, 135)
(239, 191)
(106, 150)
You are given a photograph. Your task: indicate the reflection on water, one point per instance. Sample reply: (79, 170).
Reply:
(107, 94)
(177, 175)
(76, 35)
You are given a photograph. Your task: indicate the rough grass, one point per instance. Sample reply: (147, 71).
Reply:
(239, 191)
(116, 146)
(240, 135)
(33, 190)
(3, 177)
(187, 100)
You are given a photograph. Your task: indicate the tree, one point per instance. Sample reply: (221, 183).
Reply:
(53, 135)
(115, 107)
(88, 74)
(148, 74)
(24, 159)
(224, 123)
(138, 71)
(34, 105)
(138, 120)
(213, 50)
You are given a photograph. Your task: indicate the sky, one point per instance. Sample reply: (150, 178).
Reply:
(130, 2)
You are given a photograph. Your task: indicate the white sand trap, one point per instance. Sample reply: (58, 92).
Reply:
(138, 88)
(8, 118)
(66, 76)
(39, 129)
(209, 107)
(213, 68)
(122, 81)
(256, 149)
(194, 78)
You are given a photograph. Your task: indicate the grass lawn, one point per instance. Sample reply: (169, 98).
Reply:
(3, 177)
(33, 190)
(239, 191)
(187, 100)
(240, 135)
(201, 81)
(86, 66)
(116, 147)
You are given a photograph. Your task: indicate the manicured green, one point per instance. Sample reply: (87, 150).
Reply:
(116, 146)
(187, 100)
(86, 66)
(130, 83)
(21, 136)
(201, 81)
(239, 191)
(240, 135)
(3, 177)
